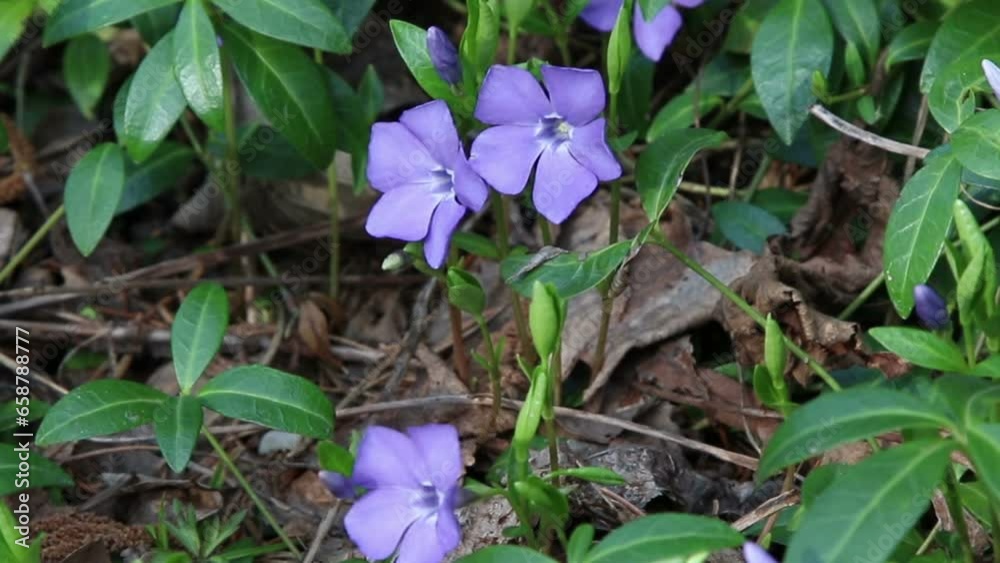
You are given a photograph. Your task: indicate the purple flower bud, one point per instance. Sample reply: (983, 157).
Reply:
(931, 307)
(992, 75)
(342, 486)
(754, 553)
(444, 55)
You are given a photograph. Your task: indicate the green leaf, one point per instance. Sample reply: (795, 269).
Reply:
(177, 423)
(411, 42)
(976, 500)
(197, 332)
(664, 537)
(570, 273)
(679, 113)
(794, 41)
(334, 457)
(42, 475)
(977, 144)
(739, 38)
(197, 64)
(155, 102)
(990, 367)
(270, 398)
(858, 23)
(921, 347)
(970, 31)
(371, 93)
(76, 17)
(874, 503)
(289, 89)
(15, 13)
(911, 44)
(154, 24)
(303, 22)
(984, 449)
(98, 408)
(619, 49)
(159, 173)
(516, 11)
(840, 418)
(745, 225)
(93, 190)
(952, 98)
(601, 475)
(662, 164)
(86, 65)
(650, 8)
(506, 554)
(350, 14)
(918, 227)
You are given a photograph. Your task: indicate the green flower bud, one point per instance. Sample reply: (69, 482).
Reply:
(395, 261)
(545, 319)
(465, 292)
(775, 354)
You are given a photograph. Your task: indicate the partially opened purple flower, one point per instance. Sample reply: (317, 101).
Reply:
(444, 55)
(562, 130)
(932, 310)
(754, 553)
(992, 75)
(342, 486)
(427, 185)
(413, 490)
(652, 36)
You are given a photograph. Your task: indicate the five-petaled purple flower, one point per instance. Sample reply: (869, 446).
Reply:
(444, 55)
(992, 75)
(932, 310)
(427, 185)
(561, 130)
(754, 553)
(413, 490)
(653, 36)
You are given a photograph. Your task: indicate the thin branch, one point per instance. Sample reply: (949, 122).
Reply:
(867, 137)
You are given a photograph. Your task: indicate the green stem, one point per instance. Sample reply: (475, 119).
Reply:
(511, 46)
(32, 243)
(492, 366)
(503, 244)
(195, 143)
(334, 203)
(231, 173)
(242, 480)
(607, 300)
(732, 105)
(546, 228)
(731, 295)
(847, 96)
(958, 515)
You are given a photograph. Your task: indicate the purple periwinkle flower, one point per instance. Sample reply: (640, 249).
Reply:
(342, 486)
(413, 490)
(931, 307)
(427, 185)
(561, 130)
(754, 553)
(653, 36)
(444, 55)
(992, 75)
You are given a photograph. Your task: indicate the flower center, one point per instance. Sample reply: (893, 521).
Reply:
(553, 129)
(442, 180)
(430, 498)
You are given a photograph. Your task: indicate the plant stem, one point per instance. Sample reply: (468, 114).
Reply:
(546, 229)
(607, 300)
(333, 195)
(847, 96)
(242, 480)
(732, 105)
(511, 46)
(491, 366)
(32, 243)
(461, 359)
(958, 515)
(231, 169)
(995, 525)
(503, 244)
(731, 295)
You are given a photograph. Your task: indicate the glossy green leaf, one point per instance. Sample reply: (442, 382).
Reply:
(15, 13)
(506, 554)
(98, 408)
(990, 367)
(176, 424)
(918, 227)
(679, 113)
(303, 22)
(197, 64)
(952, 98)
(570, 273)
(977, 144)
(154, 24)
(155, 101)
(664, 537)
(911, 44)
(746, 226)
(742, 30)
(794, 41)
(872, 504)
(858, 23)
(351, 14)
(159, 173)
(197, 332)
(970, 31)
(86, 66)
(984, 449)
(920, 347)
(334, 457)
(411, 42)
(93, 190)
(118, 108)
(835, 419)
(76, 17)
(661, 166)
(289, 88)
(270, 398)
(42, 473)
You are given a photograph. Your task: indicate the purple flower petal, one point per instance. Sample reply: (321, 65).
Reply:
(377, 522)
(432, 124)
(590, 148)
(577, 94)
(754, 553)
(449, 531)
(689, 3)
(561, 183)
(504, 155)
(511, 95)
(654, 36)
(932, 309)
(602, 14)
(396, 157)
(469, 187)
(388, 458)
(992, 75)
(444, 55)
(340, 485)
(421, 544)
(441, 442)
(403, 213)
(443, 225)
